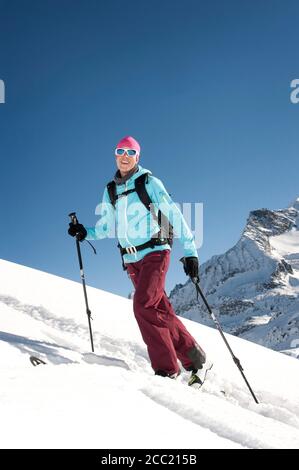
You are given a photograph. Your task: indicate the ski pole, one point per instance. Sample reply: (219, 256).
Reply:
(74, 220)
(195, 281)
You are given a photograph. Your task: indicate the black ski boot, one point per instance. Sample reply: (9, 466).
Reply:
(198, 376)
(162, 373)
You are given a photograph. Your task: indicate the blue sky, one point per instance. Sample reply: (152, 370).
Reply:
(203, 86)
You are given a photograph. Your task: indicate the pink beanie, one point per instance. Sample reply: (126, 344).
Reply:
(129, 142)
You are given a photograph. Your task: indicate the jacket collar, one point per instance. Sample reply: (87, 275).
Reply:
(122, 179)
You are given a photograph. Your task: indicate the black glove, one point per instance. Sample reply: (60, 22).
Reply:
(77, 230)
(191, 266)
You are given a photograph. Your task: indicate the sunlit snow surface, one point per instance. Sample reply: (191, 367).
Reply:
(111, 399)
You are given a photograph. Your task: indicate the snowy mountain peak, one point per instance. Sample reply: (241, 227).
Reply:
(295, 204)
(270, 222)
(254, 282)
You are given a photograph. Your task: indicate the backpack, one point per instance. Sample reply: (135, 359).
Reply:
(140, 187)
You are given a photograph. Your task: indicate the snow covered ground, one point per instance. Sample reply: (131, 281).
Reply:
(111, 399)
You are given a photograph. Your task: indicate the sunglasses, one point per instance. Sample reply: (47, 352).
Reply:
(119, 152)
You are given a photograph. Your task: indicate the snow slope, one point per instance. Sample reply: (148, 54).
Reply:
(111, 399)
(254, 286)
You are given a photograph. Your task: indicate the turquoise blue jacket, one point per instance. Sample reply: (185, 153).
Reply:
(133, 224)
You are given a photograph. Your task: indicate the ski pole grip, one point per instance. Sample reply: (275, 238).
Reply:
(195, 280)
(73, 217)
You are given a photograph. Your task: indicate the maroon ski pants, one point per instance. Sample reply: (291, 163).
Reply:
(166, 337)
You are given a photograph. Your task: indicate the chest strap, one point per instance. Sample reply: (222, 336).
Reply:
(154, 241)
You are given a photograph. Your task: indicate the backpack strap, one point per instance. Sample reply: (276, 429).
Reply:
(111, 188)
(161, 219)
(140, 188)
(113, 196)
(143, 195)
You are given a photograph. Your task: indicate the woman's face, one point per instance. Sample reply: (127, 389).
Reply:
(125, 163)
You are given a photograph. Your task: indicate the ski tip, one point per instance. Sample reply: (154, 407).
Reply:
(35, 361)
